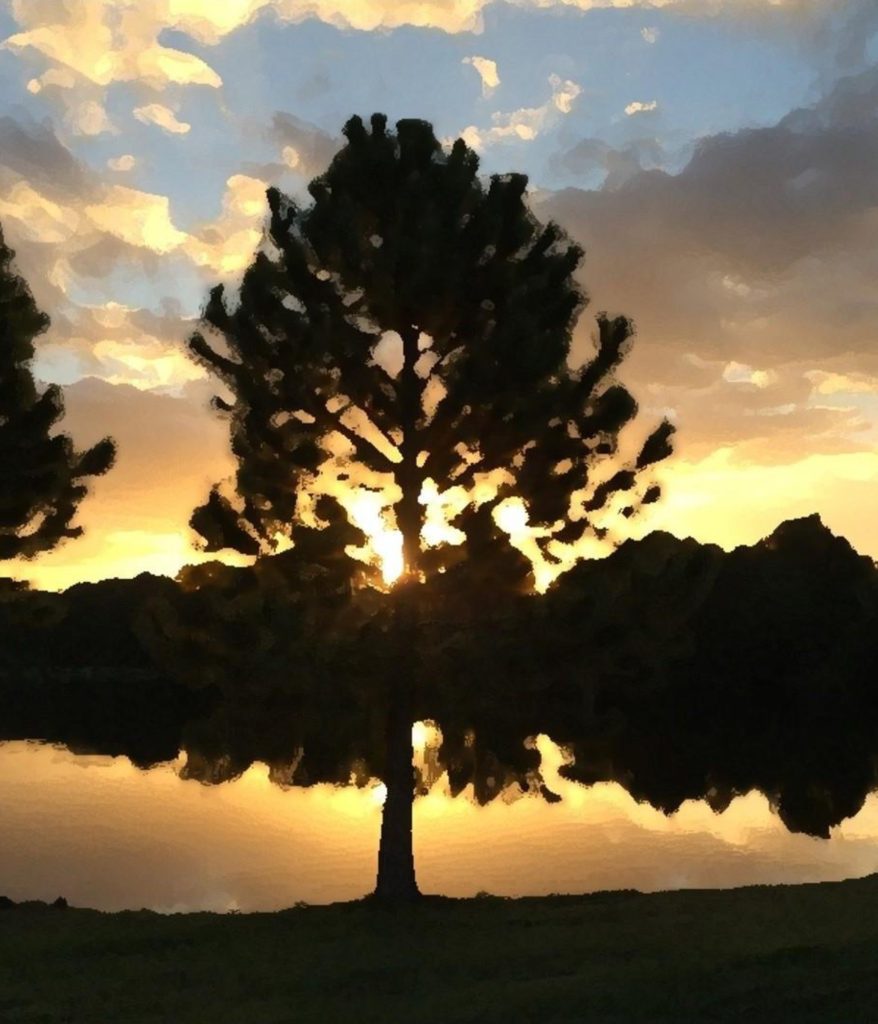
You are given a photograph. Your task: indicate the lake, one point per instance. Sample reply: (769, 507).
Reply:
(104, 834)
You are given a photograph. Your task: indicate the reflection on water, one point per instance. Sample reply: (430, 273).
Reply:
(103, 834)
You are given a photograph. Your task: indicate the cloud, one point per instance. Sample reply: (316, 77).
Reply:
(70, 228)
(750, 275)
(54, 78)
(137, 218)
(89, 118)
(75, 51)
(641, 108)
(119, 345)
(650, 35)
(226, 246)
(304, 147)
(164, 117)
(42, 191)
(592, 156)
(690, 8)
(126, 162)
(103, 41)
(33, 151)
(487, 71)
(41, 219)
(834, 383)
(525, 124)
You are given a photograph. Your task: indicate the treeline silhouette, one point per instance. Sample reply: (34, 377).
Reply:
(671, 667)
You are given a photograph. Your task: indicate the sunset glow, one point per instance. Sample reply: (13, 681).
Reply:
(748, 330)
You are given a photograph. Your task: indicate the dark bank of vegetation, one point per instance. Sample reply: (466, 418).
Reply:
(767, 954)
(674, 668)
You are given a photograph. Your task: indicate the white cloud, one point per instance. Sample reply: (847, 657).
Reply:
(487, 70)
(641, 108)
(164, 117)
(89, 118)
(525, 124)
(291, 157)
(126, 162)
(650, 34)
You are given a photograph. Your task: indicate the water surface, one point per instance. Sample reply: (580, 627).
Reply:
(104, 834)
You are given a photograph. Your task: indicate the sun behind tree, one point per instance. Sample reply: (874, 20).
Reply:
(408, 332)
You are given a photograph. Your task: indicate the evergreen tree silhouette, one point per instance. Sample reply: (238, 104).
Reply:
(43, 475)
(416, 323)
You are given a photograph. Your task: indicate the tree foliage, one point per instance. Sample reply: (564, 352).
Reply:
(417, 323)
(44, 476)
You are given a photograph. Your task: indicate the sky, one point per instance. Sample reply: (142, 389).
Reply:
(716, 158)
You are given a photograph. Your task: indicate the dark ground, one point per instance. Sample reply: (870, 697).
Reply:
(785, 953)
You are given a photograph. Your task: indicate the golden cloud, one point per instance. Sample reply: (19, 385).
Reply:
(118, 344)
(38, 218)
(164, 117)
(487, 71)
(227, 244)
(138, 218)
(105, 41)
(829, 383)
(144, 363)
(526, 123)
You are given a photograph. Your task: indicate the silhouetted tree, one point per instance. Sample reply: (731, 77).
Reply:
(43, 476)
(414, 326)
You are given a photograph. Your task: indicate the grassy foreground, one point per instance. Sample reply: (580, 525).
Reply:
(792, 953)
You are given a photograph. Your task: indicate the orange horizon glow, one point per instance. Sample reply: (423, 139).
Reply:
(708, 500)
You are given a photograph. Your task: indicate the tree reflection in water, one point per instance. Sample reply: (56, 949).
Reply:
(106, 835)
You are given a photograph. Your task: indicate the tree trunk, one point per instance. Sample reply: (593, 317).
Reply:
(396, 862)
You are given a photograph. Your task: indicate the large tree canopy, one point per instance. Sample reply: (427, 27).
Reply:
(417, 323)
(43, 476)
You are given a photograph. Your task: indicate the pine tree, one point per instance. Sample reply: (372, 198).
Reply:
(413, 324)
(43, 476)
